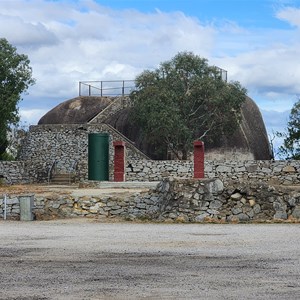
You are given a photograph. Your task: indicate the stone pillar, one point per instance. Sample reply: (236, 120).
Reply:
(119, 161)
(198, 159)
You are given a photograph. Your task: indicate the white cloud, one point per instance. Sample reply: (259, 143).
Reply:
(72, 41)
(24, 33)
(291, 15)
(31, 116)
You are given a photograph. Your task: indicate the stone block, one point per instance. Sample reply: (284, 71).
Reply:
(296, 212)
(116, 212)
(282, 215)
(12, 201)
(243, 217)
(201, 217)
(215, 204)
(236, 196)
(289, 169)
(252, 202)
(236, 210)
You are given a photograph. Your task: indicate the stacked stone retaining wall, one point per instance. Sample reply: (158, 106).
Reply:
(184, 200)
(274, 172)
(279, 172)
(67, 145)
(13, 172)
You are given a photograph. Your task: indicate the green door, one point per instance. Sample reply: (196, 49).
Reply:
(98, 156)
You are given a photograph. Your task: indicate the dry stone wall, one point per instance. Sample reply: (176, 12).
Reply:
(191, 200)
(180, 200)
(68, 146)
(13, 172)
(279, 172)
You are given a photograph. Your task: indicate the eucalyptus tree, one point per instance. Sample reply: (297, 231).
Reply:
(15, 78)
(290, 149)
(185, 99)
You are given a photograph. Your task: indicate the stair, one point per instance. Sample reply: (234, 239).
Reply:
(63, 179)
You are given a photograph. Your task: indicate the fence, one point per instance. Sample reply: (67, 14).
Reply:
(106, 88)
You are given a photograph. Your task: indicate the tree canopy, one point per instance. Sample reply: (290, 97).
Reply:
(185, 99)
(15, 78)
(291, 143)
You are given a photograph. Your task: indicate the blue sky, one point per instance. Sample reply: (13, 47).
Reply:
(256, 41)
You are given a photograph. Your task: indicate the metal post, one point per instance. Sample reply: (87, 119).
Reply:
(123, 89)
(79, 88)
(5, 208)
(101, 87)
(89, 90)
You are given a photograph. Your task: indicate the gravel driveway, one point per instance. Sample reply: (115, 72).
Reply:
(88, 259)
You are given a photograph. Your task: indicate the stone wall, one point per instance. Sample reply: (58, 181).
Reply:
(279, 172)
(117, 104)
(68, 146)
(13, 172)
(181, 200)
(191, 200)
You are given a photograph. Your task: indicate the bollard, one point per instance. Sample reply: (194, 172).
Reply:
(198, 159)
(119, 161)
(26, 207)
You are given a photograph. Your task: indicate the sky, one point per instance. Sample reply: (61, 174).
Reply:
(256, 41)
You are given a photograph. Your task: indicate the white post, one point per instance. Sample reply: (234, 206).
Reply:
(5, 202)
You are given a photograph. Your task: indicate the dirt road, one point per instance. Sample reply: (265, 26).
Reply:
(86, 259)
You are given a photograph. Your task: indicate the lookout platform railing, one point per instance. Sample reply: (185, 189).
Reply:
(106, 88)
(118, 87)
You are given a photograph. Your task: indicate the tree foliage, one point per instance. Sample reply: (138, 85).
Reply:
(185, 99)
(291, 143)
(15, 78)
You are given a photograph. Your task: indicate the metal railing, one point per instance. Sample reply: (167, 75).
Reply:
(73, 171)
(51, 170)
(106, 88)
(223, 74)
(117, 87)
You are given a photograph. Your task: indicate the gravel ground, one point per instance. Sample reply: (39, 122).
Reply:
(88, 259)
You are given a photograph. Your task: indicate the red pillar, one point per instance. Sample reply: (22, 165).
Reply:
(119, 161)
(198, 159)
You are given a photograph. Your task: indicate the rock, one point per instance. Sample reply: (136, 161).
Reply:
(250, 213)
(182, 219)
(243, 200)
(213, 212)
(257, 208)
(289, 169)
(233, 219)
(252, 202)
(217, 186)
(282, 215)
(243, 217)
(292, 202)
(215, 204)
(56, 205)
(236, 210)
(201, 217)
(296, 212)
(236, 196)
(172, 216)
(116, 212)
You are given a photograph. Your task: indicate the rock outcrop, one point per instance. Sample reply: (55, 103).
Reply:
(78, 110)
(250, 141)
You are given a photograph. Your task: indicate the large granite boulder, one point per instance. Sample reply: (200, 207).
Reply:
(250, 141)
(79, 110)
